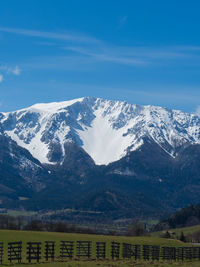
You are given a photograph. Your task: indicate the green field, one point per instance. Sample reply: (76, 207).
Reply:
(25, 236)
(177, 231)
(107, 263)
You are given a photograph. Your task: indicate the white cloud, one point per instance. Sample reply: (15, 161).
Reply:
(10, 70)
(1, 78)
(16, 70)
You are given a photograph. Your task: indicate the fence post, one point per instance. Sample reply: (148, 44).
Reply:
(115, 249)
(155, 253)
(100, 250)
(146, 252)
(33, 251)
(83, 249)
(66, 249)
(15, 251)
(1, 253)
(49, 250)
(169, 253)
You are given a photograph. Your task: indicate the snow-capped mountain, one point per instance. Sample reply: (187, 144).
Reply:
(50, 156)
(106, 130)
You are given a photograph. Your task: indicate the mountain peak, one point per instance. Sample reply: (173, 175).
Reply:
(53, 106)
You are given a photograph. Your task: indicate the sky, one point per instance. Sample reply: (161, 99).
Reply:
(143, 52)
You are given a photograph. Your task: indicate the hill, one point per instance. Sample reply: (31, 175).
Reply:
(185, 217)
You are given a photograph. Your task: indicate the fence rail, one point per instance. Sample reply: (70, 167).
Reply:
(66, 250)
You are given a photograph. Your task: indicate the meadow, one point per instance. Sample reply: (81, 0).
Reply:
(26, 236)
(187, 231)
(108, 263)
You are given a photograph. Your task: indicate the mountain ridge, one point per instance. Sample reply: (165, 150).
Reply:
(107, 130)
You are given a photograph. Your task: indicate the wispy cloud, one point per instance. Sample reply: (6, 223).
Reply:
(122, 21)
(136, 56)
(92, 58)
(1, 78)
(150, 53)
(85, 50)
(107, 56)
(52, 35)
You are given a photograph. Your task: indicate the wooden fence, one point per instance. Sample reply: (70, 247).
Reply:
(67, 250)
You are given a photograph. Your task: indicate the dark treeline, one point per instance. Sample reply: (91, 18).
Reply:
(21, 223)
(136, 228)
(62, 227)
(185, 217)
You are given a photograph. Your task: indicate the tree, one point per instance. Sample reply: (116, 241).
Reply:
(34, 225)
(182, 237)
(136, 229)
(166, 235)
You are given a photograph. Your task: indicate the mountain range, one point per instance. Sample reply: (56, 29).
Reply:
(100, 157)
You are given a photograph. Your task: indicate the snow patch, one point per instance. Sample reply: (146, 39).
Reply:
(103, 143)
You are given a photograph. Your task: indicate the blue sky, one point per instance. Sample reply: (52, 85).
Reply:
(144, 52)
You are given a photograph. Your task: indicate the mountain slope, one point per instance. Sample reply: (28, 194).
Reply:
(20, 173)
(142, 184)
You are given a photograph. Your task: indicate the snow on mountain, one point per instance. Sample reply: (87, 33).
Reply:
(106, 130)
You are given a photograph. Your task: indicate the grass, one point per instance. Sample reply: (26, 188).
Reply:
(108, 263)
(25, 236)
